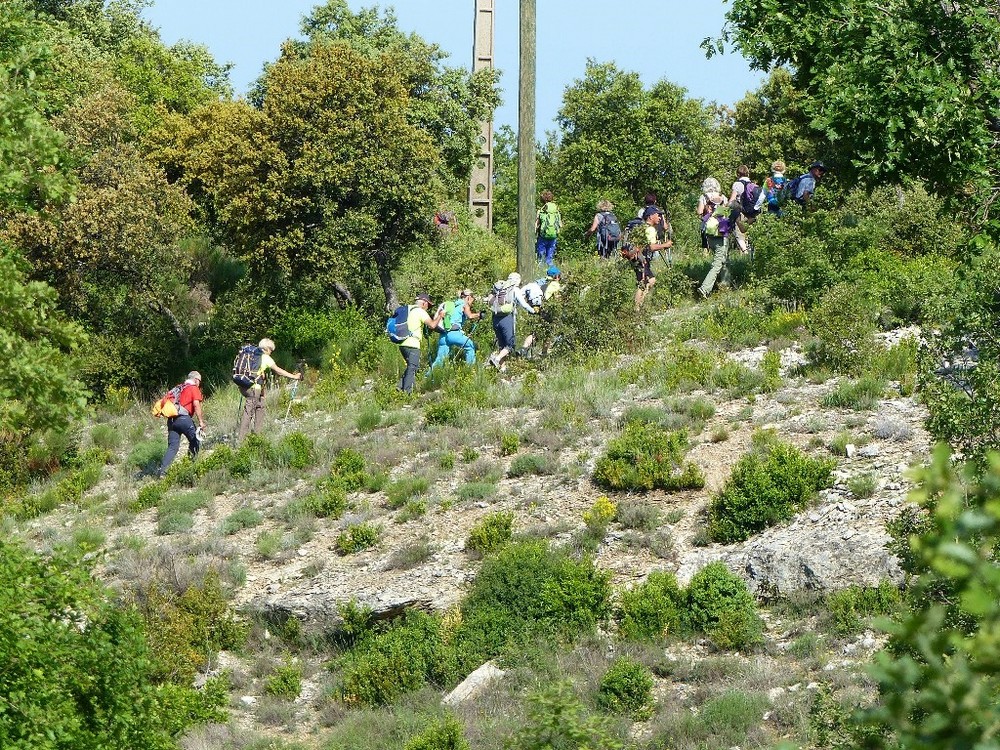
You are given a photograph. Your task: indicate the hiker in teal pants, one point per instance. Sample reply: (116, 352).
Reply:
(456, 313)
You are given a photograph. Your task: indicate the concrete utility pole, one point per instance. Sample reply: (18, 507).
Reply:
(526, 143)
(481, 184)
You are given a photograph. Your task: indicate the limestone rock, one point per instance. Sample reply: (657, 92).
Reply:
(473, 685)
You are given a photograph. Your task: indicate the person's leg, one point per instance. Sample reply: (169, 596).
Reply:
(504, 328)
(185, 426)
(540, 249)
(442, 352)
(411, 355)
(246, 419)
(719, 245)
(550, 252)
(458, 339)
(173, 443)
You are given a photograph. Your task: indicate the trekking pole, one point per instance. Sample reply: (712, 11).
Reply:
(295, 388)
(239, 411)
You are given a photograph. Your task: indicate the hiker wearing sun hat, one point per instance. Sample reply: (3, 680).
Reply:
(187, 397)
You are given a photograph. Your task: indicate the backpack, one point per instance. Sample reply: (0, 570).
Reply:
(452, 309)
(246, 366)
(170, 405)
(748, 199)
(502, 298)
(609, 231)
(633, 240)
(549, 222)
(773, 187)
(535, 292)
(397, 326)
(792, 188)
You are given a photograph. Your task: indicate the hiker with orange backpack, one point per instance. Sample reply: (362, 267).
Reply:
(186, 401)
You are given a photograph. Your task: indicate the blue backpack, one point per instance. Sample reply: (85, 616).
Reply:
(609, 231)
(246, 366)
(774, 186)
(397, 327)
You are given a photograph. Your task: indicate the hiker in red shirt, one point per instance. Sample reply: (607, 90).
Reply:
(188, 401)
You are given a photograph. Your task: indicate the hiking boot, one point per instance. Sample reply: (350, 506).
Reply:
(494, 361)
(701, 293)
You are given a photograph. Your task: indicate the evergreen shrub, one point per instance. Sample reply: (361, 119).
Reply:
(490, 534)
(720, 605)
(849, 606)
(627, 688)
(295, 450)
(443, 734)
(357, 537)
(653, 608)
(767, 486)
(647, 457)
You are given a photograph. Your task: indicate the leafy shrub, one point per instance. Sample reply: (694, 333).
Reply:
(490, 534)
(446, 411)
(358, 537)
(844, 324)
(443, 734)
(149, 496)
(627, 688)
(558, 719)
(285, 681)
(71, 653)
(328, 500)
(527, 591)
(413, 509)
(390, 662)
(719, 604)
(529, 464)
(295, 450)
(469, 454)
(638, 515)
(848, 606)
(349, 468)
(510, 443)
(600, 514)
(646, 457)
(653, 608)
(398, 492)
(241, 518)
(766, 487)
(147, 454)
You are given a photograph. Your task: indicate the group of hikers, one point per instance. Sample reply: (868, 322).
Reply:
(406, 326)
(725, 221)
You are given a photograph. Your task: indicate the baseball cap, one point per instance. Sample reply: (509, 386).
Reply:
(424, 296)
(818, 165)
(552, 271)
(649, 211)
(194, 375)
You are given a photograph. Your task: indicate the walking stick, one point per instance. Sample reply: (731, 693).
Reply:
(295, 388)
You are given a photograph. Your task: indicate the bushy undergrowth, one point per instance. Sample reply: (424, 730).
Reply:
(653, 608)
(627, 688)
(490, 534)
(719, 604)
(767, 486)
(850, 606)
(442, 734)
(647, 457)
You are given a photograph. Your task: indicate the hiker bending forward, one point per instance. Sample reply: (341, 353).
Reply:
(253, 406)
(188, 404)
(455, 336)
(504, 302)
(416, 319)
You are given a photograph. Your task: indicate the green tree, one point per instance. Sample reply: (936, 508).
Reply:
(938, 678)
(75, 669)
(906, 89)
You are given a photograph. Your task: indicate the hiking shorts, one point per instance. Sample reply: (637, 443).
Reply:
(643, 272)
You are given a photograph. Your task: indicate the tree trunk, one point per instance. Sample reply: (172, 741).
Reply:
(342, 294)
(385, 276)
(181, 332)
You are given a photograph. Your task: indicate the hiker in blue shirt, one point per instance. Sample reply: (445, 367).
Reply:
(456, 313)
(806, 184)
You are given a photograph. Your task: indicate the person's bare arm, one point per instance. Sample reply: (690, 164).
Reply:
(198, 413)
(292, 375)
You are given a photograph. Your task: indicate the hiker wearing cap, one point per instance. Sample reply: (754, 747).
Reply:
(554, 284)
(417, 318)
(802, 188)
(189, 400)
(252, 419)
(713, 209)
(456, 314)
(642, 264)
(504, 300)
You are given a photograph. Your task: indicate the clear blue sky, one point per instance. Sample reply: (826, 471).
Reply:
(248, 33)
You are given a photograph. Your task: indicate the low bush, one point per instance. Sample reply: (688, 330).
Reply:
(719, 605)
(328, 500)
(411, 555)
(524, 592)
(443, 734)
(402, 657)
(349, 469)
(597, 517)
(241, 518)
(863, 485)
(357, 537)
(850, 606)
(296, 451)
(530, 464)
(767, 486)
(510, 443)
(490, 534)
(627, 688)
(149, 496)
(653, 608)
(398, 492)
(638, 515)
(285, 681)
(647, 457)
(844, 323)
(477, 490)
(557, 718)
(857, 395)
(445, 411)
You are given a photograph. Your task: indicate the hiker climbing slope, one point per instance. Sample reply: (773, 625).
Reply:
(187, 398)
(252, 364)
(455, 314)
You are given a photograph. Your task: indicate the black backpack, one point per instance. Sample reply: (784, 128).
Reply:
(791, 188)
(246, 366)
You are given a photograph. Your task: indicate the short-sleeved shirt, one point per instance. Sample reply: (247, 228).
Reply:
(416, 321)
(188, 395)
(807, 184)
(739, 186)
(552, 289)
